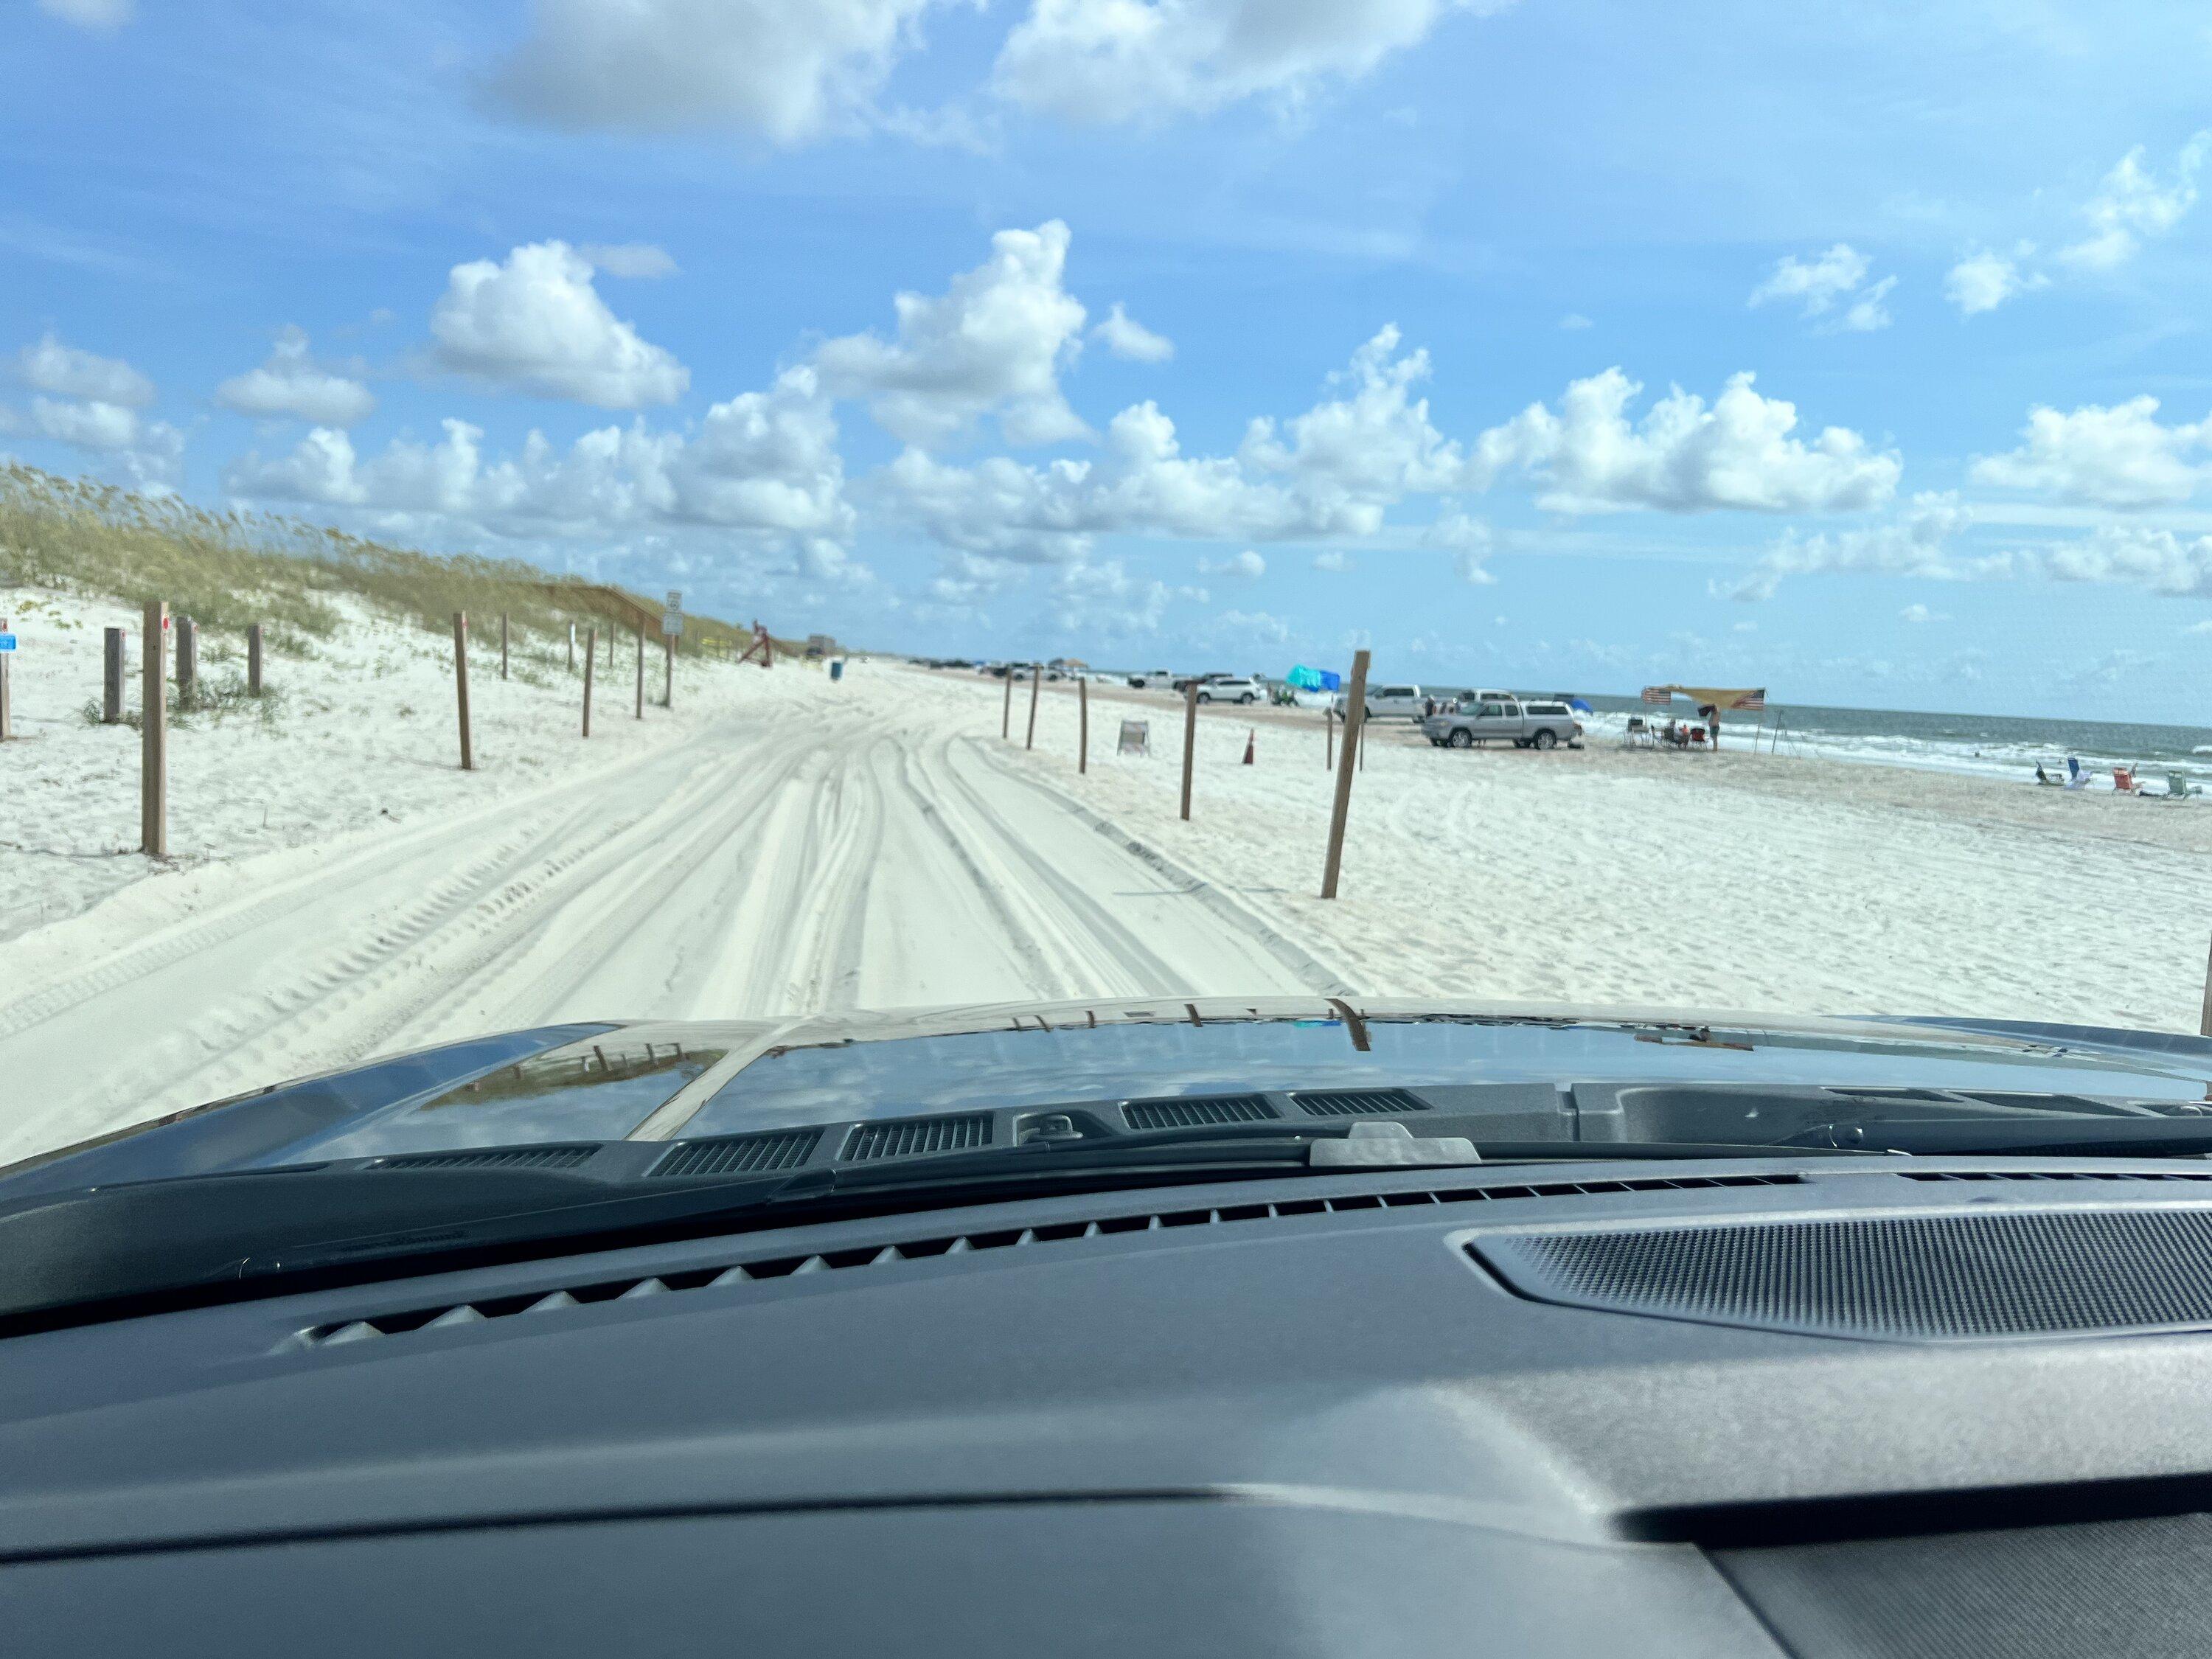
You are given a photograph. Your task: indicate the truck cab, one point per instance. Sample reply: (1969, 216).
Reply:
(1480, 717)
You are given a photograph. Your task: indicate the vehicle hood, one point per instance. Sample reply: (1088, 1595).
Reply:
(656, 1081)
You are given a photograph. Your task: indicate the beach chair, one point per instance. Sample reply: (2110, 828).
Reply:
(2179, 786)
(2076, 777)
(2124, 782)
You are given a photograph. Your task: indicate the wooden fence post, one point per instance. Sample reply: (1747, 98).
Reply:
(1329, 737)
(1189, 741)
(2204, 1019)
(1037, 679)
(461, 686)
(1007, 714)
(640, 671)
(154, 741)
(503, 645)
(188, 657)
(610, 644)
(111, 706)
(668, 670)
(1083, 720)
(6, 703)
(254, 660)
(590, 656)
(572, 648)
(1355, 712)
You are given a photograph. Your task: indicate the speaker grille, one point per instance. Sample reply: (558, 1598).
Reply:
(1901, 1279)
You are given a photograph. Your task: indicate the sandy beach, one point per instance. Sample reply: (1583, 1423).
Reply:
(784, 843)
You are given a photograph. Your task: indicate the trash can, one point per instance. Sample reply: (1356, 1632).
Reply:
(837, 669)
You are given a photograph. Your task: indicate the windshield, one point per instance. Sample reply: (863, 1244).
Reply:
(557, 559)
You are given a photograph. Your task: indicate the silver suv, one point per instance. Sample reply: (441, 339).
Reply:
(1501, 717)
(1225, 688)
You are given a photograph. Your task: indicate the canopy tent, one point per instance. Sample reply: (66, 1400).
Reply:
(1714, 698)
(1313, 679)
(1708, 696)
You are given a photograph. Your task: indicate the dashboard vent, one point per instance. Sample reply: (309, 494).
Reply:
(762, 1154)
(1196, 1111)
(449, 1315)
(1915, 1279)
(505, 1158)
(2057, 1174)
(1358, 1102)
(905, 1137)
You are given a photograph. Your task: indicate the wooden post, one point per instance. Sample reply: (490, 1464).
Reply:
(590, 656)
(572, 648)
(668, 670)
(154, 741)
(1189, 741)
(188, 657)
(1083, 723)
(461, 686)
(254, 660)
(640, 671)
(2204, 1019)
(7, 705)
(1355, 712)
(1007, 714)
(1329, 737)
(111, 707)
(610, 646)
(1037, 679)
(503, 645)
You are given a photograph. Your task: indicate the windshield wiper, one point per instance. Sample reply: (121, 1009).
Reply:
(2042, 1136)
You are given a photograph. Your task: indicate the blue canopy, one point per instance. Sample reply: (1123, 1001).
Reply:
(1580, 707)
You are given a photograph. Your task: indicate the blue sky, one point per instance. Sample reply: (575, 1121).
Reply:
(1233, 334)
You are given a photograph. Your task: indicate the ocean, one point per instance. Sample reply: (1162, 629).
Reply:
(1993, 746)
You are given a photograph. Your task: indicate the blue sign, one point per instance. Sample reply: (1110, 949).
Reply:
(7, 642)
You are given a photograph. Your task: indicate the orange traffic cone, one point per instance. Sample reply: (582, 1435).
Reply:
(1248, 735)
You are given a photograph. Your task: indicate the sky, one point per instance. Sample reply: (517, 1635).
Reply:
(1856, 352)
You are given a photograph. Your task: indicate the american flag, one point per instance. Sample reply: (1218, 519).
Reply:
(1657, 694)
(1752, 700)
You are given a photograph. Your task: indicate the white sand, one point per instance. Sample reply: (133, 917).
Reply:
(785, 844)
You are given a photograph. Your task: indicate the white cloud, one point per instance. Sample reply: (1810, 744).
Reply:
(2133, 204)
(765, 461)
(2158, 559)
(1358, 454)
(1920, 613)
(2115, 456)
(1249, 628)
(1466, 539)
(1103, 598)
(1914, 543)
(1246, 566)
(992, 343)
(1574, 321)
(536, 324)
(65, 372)
(151, 453)
(2204, 627)
(1683, 456)
(644, 261)
(1819, 283)
(1125, 336)
(1128, 60)
(1984, 280)
(1869, 310)
(1334, 559)
(291, 383)
(786, 71)
(105, 16)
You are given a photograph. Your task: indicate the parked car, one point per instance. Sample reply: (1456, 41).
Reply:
(1231, 688)
(1501, 717)
(1390, 701)
(1154, 679)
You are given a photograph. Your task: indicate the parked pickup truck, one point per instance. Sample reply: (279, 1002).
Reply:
(1500, 717)
(1390, 703)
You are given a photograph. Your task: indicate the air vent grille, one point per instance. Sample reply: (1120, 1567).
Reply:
(2057, 1174)
(504, 1158)
(446, 1317)
(1358, 1102)
(762, 1154)
(1196, 1111)
(906, 1137)
(1934, 1278)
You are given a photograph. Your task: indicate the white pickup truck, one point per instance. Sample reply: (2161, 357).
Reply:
(1501, 717)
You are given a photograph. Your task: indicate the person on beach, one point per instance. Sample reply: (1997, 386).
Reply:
(1711, 716)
